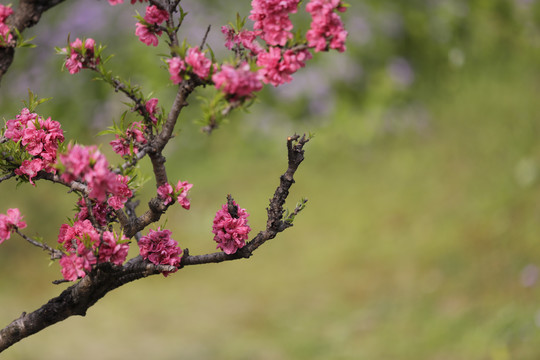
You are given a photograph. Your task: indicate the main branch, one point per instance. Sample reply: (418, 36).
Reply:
(105, 277)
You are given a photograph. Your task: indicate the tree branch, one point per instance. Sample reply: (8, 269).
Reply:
(26, 15)
(55, 254)
(105, 277)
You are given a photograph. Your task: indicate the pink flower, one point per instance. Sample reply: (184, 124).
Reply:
(15, 127)
(230, 232)
(326, 29)
(134, 134)
(230, 35)
(160, 249)
(81, 55)
(5, 35)
(277, 69)
(238, 82)
(201, 65)
(151, 107)
(5, 11)
(155, 15)
(87, 164)
(85, 247)
(182, 189)
(100, 179)
(76, 161)
(79, 241)
(33, 140)
(121, 193)
(121, 146)
(53, 132)
(40, 138)
(73, 267)
(176, 69)
(100, 211)
(146, 35)
(111, 251)
(165, 192)
(9, 222)
(30, 168)
(81, 233)
(272, 18)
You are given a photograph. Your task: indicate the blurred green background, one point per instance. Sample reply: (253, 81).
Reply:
(420, 239)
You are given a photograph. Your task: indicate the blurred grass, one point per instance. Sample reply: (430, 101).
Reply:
(419, 240)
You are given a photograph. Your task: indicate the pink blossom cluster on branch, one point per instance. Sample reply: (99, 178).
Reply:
(10, 222)
(272, 18)
(84, 247)
(81, 55)
(277, 61)
(195, 61)
(128, 143)
(152, 109)
(101, 212)
(160, 249)
(326, 28)
(87, 164)
(39, 138)
(180, 192)
(148, 29)
(231, 230)
(5, 36)
(278, 65)
(238, 82)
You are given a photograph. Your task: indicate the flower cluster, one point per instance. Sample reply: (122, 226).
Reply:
(272, 18)
(278, 60)
(177, 67)
(87, 164)
(277, 68)
(101, 212)
(151, 107)
(242, 38)
(166, 193)
(231, 230)
(5, 36)
(9, 222)
(39, 137)
(326, 30)
(160, 249)
(84, 247)
(198, 61)
(238, 82)
(82, 55)
(131, 140)
(148, 29)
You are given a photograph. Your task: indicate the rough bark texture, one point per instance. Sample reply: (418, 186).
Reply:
(78, 298)
(27, 14)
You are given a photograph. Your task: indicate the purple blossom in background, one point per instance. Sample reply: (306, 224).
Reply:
(401, 72)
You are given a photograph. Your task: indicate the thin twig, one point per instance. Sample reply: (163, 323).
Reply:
(55, 254)
(205, 36)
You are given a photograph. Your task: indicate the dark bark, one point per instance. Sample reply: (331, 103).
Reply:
(27, 14)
